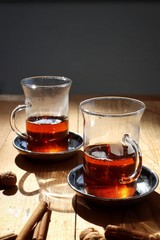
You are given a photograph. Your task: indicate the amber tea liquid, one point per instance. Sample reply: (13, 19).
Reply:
(104, 165)
(47, 133)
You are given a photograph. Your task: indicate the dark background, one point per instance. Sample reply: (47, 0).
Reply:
(105, 47)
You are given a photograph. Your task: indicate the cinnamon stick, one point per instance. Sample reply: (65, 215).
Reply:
(35, 217)
(10, 236)
(40, 231)
(114, 232)
(36, 230)
(43, 228)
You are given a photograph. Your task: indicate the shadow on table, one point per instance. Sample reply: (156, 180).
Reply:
(144, 213)
(51, 177)
(45, 169)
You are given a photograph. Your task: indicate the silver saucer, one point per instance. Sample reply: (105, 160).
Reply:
(75, 142)
(146, 184)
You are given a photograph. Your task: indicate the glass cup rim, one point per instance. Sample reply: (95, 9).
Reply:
(140, 110)
(46, 81)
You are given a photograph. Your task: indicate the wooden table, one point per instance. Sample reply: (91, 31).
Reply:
(17, 204)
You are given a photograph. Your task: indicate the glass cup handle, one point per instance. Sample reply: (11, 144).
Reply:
(127, 141)
(13, 120)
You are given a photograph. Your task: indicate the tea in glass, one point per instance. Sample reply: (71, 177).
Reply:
(104, 165)
(47, 133)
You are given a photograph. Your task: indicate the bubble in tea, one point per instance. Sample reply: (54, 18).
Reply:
(47, 133)
(104, 166)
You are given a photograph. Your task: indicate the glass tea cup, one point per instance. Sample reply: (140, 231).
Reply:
(112, 157)
(46, 106)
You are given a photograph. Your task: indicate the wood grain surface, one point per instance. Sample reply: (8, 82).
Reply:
(70, 217)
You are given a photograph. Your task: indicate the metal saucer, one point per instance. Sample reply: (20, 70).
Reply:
(75, 142)
(146, 184)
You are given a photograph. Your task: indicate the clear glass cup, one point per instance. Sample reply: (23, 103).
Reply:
(46, 107)
(112, 157)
